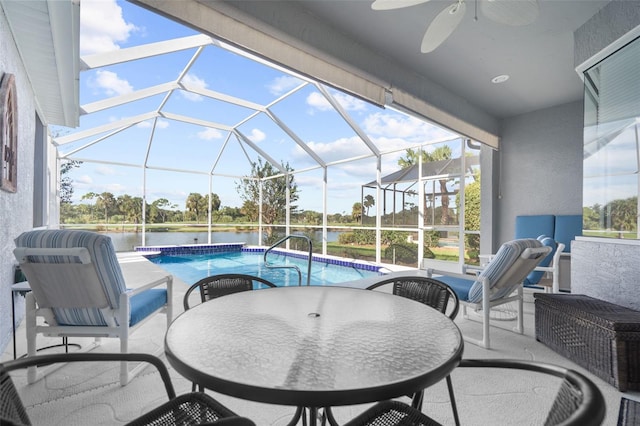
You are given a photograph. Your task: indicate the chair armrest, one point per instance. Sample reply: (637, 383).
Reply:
(435, 272)
(40, 360)
(555, 262)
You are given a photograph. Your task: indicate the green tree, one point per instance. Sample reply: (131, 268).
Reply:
(442, 152)
(623, 214)
(250, 210)
(369, 202)
(472, 217)
(194, 204)
(356, 212)
(273, 191)
(215, 202)
(591, 216)
(158, 210)
(107, 203)
(89, 196)
(130, 208)
(66, 183)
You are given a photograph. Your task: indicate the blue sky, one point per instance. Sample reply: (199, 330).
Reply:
(108, 25)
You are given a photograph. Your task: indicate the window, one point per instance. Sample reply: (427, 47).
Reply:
(612, 145)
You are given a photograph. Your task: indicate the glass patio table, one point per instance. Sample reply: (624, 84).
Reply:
(313, 347)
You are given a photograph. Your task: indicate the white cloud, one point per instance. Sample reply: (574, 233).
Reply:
(319, 102)
(102, 26)
(160, 124)
(402, 126)
(349, 103)
(116, 189)
(110, 83)
(209, 133)
(336, 150)
(193, 80)
(282, 85)
(257, 135)
(84, 179)
(105, 171)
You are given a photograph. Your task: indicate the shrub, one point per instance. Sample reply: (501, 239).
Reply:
(346, 238)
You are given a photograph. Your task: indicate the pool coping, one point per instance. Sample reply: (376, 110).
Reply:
(174, 250)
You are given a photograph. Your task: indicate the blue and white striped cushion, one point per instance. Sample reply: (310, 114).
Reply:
(504, 258)
(103, 256)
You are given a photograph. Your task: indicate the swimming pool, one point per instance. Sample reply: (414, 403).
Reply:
(192, 263)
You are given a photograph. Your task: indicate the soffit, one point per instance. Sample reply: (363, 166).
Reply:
(47, 37)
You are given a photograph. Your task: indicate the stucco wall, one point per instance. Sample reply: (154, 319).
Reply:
(606, 270)
(541, 167)
(597, 34)
(15, 208)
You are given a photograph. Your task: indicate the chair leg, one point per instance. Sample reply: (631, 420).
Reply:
(520, 328)
(124, 367)
(416, 401)
(32, 332)
(452, 397)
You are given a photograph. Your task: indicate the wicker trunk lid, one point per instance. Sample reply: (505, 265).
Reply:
(600, 336)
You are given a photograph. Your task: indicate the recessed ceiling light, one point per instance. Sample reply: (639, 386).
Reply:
(500, 79)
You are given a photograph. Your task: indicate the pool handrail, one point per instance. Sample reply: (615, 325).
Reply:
(304, 237)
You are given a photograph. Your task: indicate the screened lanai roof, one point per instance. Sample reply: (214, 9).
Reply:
(431, 169)
(176, 100)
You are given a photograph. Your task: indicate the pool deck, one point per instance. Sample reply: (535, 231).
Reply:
(79, 394)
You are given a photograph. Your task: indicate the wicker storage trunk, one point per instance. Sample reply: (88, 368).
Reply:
(600, 336)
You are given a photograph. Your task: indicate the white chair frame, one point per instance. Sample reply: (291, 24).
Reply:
(62, 292)
(553, 269)
(524, 264)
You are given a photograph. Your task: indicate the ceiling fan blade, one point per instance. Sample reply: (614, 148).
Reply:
(511, 12)
(442, 26)
(394, 4)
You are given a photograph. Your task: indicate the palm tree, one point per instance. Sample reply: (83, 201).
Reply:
(356, 211)
(107, 202)
(194, 204)
(369, 201)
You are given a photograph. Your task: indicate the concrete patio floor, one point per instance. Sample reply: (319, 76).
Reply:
(83, 394)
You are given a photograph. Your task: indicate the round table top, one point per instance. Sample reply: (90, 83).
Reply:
(313, 346)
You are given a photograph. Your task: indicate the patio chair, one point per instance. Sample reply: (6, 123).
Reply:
(78, 290)
(188, 409)
(223, 284)
(219, 285)
(435, 294)
(498, 283)
(578, 402)
(392, 413)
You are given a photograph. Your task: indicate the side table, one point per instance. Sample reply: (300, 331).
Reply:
(22, 288)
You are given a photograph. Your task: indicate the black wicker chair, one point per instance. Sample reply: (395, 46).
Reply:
(433, 293)
(223, 284)
(578, 402)
(392, 413)
(194, 408)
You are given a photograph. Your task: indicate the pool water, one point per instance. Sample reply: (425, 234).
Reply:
(193, 267)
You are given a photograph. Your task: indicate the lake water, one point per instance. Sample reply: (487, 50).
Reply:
(126, 241)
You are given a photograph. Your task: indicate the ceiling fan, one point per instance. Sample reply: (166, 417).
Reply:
(509, 12)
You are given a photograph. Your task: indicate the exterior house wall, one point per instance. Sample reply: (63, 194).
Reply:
(541, 167)
(16, 209)
(605, 268)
